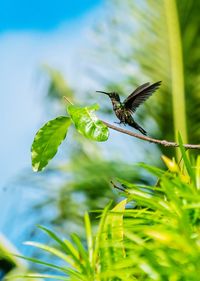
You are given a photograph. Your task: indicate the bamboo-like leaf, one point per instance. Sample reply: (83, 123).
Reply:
(113, 234)
(51, 250)
(75, 255)
(198, 172)
(116, 219)
(171, 164)
(87, 123)
(47, 264)
(38, 276)
(54, 237)
(47, 141)
(71, 249)
(153, 170)
(65, 270)
(89, 236)
(66, 246)
(83, 255)
(99, 234)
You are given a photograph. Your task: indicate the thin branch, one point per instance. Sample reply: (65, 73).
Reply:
(67, 100)
(149, 139)
(119, 188)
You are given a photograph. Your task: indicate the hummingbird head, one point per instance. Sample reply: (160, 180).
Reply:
(112, 95)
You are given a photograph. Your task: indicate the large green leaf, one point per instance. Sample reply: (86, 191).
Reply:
(47, 140)
(87, 123)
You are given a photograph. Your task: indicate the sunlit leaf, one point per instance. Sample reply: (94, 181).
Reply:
(99, 234)
(51, 250)
(171, 164)
(47, 141)
(115, 218)
(198, 172)
(38, 276)
(66, 246)
(114, 234)
(89, 236)
(87, 123)
(46, 264)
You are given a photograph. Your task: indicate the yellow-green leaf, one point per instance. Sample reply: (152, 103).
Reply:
(87, 123)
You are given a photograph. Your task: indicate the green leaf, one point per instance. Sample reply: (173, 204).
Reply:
(115, 218)
(47, 140)
(51, 250)
(89, 236)
(66, 246)
(87, 123)
(99, 234)
(37, 261)
(114, 233)
(83, 255)
(198, 172)
(39, 276)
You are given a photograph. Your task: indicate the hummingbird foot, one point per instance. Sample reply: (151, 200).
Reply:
(119, 123)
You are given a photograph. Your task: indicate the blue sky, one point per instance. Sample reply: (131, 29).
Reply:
(33, 33)
(41, 14)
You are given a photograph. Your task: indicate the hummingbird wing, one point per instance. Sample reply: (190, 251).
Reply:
(141, 94)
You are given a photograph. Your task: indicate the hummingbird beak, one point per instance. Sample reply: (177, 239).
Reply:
(102, 93)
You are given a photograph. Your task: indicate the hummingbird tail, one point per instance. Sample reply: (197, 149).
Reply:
(142, 130)
(137, 127)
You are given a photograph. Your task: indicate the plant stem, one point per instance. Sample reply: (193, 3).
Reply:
(67, 100)
(177, 71)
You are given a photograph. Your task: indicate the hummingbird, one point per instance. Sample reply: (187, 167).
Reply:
(124, 110)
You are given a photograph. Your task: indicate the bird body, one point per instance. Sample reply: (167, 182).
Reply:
(124, 110)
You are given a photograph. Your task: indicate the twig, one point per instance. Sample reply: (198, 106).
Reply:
(67, 100)
(119, 188)
(149, 139)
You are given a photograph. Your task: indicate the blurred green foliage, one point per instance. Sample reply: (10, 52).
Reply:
(132, 45)
(85, 186)
(58, 86)
(157, 240)
(154, 40)
(10, 265)
(153, 234)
